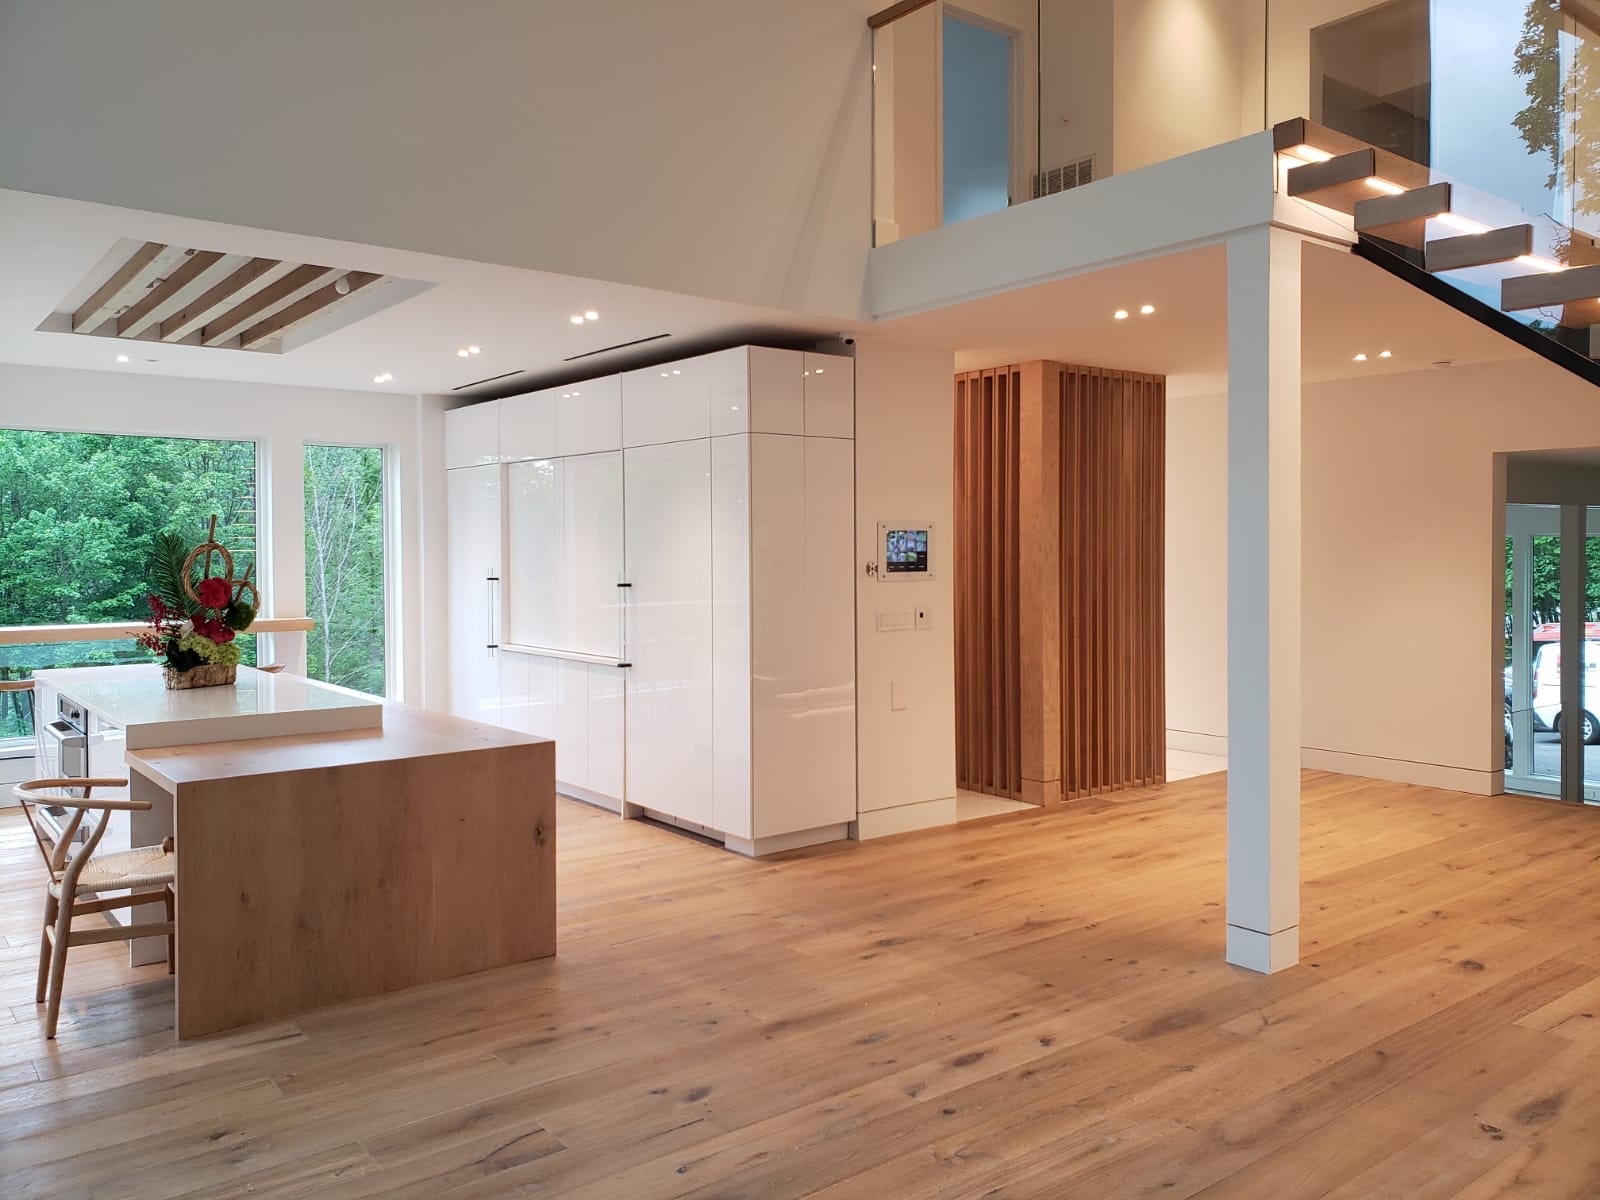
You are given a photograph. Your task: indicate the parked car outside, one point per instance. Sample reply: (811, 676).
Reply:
(1547, 688)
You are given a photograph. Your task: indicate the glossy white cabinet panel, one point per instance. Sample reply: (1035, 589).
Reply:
(472, 435)
(592, 555)
(669, 732)
(670, 403)
(535, 614)
(730, 391)
(572, 721)
(472, 500)
(607, 686)
(730, 636)
(830, 607)
(777, 391)
(589, 416)
(528, 426)
(830, 386)
(778, 701)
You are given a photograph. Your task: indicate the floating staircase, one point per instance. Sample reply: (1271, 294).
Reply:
(1422, 228)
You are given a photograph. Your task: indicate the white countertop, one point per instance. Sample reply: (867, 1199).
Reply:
(259, 705)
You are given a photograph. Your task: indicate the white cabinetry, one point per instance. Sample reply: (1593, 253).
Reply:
(669, 629)
(472, 435)
(473, 512)
(716, 687)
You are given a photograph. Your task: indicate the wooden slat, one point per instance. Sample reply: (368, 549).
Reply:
(308, 308)
(127, 279)
(256, 273)
(988, 642)
(144, 313)
(265, 302)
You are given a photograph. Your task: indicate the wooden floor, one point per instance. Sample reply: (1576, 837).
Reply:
(1029, 1006)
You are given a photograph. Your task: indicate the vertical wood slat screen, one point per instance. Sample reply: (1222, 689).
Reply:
(987, 599)
(1113, 669)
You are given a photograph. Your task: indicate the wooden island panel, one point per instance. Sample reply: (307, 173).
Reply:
(318, 869)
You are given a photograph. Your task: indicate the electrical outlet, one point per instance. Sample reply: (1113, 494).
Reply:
(924, 621)
(897, 697)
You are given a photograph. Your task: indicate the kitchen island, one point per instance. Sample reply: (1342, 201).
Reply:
(319, 866)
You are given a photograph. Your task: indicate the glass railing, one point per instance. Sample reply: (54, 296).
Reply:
(991, 103)
(1497, 99)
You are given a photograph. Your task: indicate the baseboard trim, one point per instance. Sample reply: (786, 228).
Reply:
(886, 822)
(778, 843)
(1197, 743)
(597, 799)
(1265, 953)
(1399, 770)
(1366, 766)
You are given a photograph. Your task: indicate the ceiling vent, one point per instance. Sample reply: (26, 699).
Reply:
(1060, 179)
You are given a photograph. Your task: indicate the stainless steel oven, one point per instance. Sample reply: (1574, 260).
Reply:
(66, 747)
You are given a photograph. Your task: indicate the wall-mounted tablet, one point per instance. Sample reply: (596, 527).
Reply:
(905, 550)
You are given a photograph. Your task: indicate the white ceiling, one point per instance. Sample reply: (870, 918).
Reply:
(520, 319)
(1349, 307)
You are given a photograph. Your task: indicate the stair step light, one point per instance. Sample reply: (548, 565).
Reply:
(1576, 290)
(1404, 218)
(1343, 182)
(1479, 249)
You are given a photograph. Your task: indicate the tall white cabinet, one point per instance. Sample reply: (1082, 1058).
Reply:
(676, 599)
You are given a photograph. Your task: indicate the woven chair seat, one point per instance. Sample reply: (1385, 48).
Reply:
(144, 867)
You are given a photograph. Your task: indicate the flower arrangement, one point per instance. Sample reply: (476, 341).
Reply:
(193, 622)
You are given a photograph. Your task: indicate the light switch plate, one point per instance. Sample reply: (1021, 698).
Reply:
(895, 620)
(897, 697)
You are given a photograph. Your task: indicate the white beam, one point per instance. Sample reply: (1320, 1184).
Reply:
(1264, 599)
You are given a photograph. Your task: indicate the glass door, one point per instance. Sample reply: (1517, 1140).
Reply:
(1546, 753)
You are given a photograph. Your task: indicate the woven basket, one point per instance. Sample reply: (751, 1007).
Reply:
(205, 675)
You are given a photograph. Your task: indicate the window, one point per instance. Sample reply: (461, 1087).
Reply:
(77, 515)
(346, 594)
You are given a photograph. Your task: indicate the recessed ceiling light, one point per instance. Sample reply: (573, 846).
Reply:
(735, 407)
(383, 378)
(1378, 184)
(819, 370)
(577, 393)
(566, 395)
(663, 374)
(1361, 358)
(1386, 354)
(472, 350)
(1147, 309)
(591, 315)
(461, 353)
(576, 318)
(1121, 314)
(123, 358)
(676, 372)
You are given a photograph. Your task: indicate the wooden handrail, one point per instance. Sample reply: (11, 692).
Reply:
(109, 631)
(894, 12)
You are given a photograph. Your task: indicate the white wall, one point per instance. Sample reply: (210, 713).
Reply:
(280, 419)
(1184, 77)
(1075, 75)
(1403, 581)
(712, 147)
(905, 448)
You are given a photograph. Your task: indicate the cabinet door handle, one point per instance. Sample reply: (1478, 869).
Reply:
(492, 642)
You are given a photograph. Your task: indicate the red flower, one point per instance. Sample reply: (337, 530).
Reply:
(210, 627)
(215, 593)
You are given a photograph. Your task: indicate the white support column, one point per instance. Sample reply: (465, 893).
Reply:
(1264, 599)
